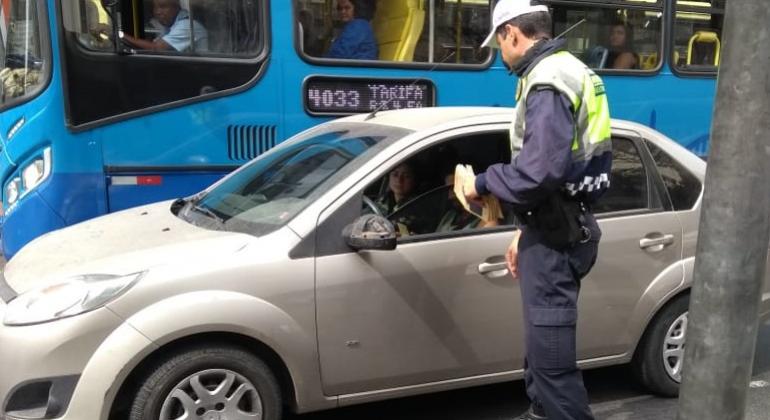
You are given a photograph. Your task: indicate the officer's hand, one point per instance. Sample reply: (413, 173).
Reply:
(512, 255)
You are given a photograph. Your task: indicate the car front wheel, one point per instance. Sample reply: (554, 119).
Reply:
(659, 358)
(206, 383)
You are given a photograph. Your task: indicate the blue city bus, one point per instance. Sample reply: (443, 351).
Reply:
(93, 122)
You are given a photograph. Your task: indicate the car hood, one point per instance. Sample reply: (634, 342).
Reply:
(120, 243)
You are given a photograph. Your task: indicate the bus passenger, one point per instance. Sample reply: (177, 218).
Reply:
(357, 38)
(621, 55)
(174, 23)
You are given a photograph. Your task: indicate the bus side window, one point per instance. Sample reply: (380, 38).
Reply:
(91, 24)
(231, 26)
(697, 35)
(402, 30)
(219, 28)
(612, 37)
(460, 29)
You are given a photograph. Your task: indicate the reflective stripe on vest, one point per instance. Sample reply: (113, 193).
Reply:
(585, 90)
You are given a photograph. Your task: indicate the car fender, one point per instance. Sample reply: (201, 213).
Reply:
(181, 316)
(107, 368)
(669, 283)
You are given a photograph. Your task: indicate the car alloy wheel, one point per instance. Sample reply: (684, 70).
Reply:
(673, 348)
(213, 394)
(207, 382)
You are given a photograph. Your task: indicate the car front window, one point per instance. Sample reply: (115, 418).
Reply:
(22, 59)
(267, 193)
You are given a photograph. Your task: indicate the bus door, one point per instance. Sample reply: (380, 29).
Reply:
(175, 91)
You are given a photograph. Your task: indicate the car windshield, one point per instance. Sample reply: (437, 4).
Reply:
(268, 192)
(21, 50)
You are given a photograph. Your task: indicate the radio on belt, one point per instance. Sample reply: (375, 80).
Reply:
(327, 95)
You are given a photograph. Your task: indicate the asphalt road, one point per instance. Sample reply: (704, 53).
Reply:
(614, 396)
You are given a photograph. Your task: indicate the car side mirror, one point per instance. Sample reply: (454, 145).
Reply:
(370, 232)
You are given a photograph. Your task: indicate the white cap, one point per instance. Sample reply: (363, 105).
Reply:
(506, 10)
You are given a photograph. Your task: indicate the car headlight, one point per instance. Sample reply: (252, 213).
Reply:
(72, 297)
(12, 191)
(37, 171)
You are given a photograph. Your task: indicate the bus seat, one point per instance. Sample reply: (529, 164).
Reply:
(397, 26)
(648, 61)
(704, 37)
(596, 57)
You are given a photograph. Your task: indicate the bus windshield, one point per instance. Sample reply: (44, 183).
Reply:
(21, 53)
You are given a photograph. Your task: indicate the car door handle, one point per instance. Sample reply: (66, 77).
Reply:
(656, 242)
(489, 268)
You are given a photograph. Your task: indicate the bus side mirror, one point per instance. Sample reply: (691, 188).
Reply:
(370, 232)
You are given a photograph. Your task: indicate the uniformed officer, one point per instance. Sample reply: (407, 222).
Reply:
(562, 158)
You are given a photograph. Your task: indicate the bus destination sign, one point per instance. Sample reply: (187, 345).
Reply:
(325, 95)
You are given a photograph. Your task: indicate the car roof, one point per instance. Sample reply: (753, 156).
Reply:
(420, 119)
(447, 117)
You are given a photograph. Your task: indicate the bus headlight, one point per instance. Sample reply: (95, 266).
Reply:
(12, 191)
(72, 297)
(36, 171)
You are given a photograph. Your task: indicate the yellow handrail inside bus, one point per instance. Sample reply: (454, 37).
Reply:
(459, 30)
(137, 18)
(706, 37)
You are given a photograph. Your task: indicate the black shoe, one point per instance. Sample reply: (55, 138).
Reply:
(534, 413)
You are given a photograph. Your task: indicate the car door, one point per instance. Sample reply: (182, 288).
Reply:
(438, 307)
(642, 241)
(428, 311)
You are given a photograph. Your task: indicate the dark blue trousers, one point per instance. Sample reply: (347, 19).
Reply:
(550, 282)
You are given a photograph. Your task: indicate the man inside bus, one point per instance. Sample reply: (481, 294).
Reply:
(174, 26)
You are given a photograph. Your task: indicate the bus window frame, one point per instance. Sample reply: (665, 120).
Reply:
(658, 6)
(261, 60)
(351, 62)
(676, 70)
(46, 50)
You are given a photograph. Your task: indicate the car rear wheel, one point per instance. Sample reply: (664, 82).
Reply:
(222, 383)
(659, 358)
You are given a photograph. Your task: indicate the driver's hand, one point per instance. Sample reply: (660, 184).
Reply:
(402, 230)
(512, 255)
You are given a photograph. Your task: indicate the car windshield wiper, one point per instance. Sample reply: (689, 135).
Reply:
(207, 211)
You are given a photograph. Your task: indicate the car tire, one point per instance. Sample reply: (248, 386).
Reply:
(228, 379)
(659, 357)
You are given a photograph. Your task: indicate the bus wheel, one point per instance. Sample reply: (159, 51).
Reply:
(659, 359)
(222, 383)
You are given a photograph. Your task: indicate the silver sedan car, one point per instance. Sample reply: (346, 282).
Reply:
(336, 269)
